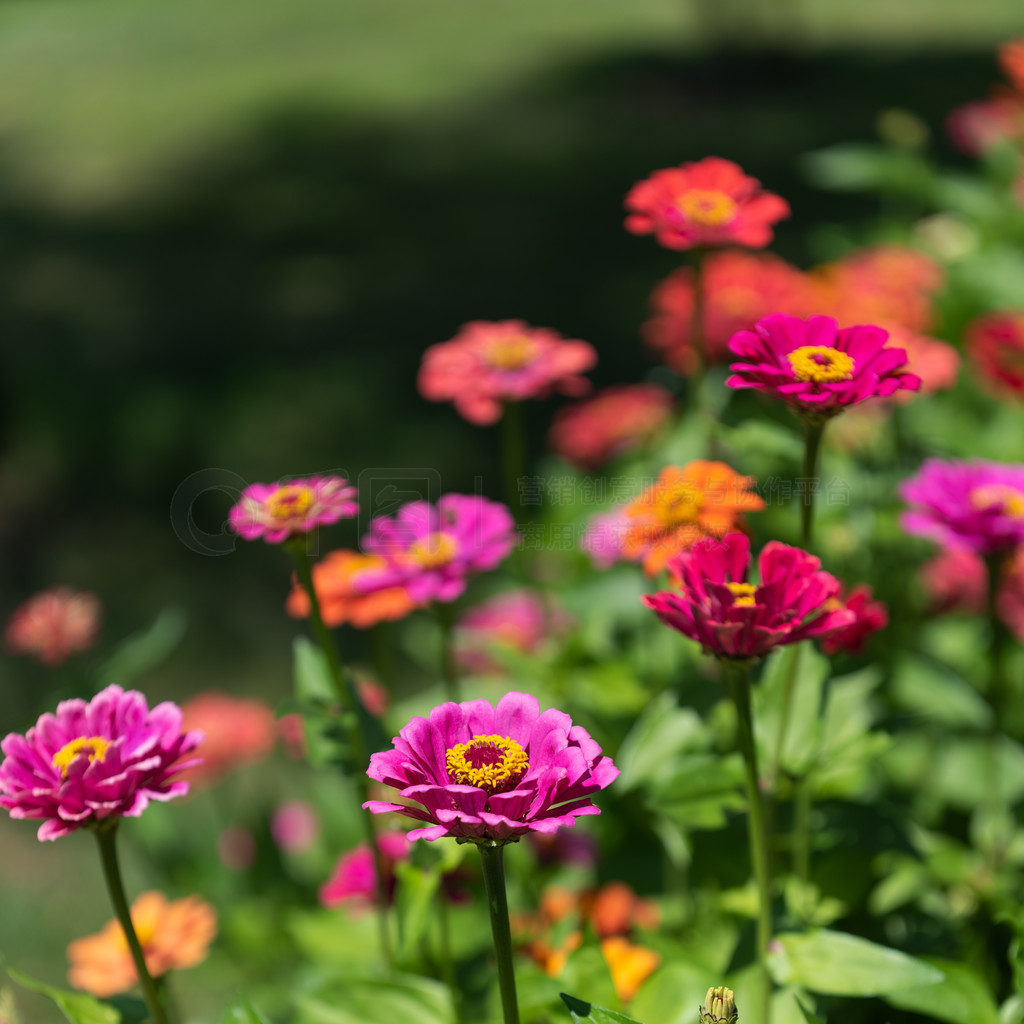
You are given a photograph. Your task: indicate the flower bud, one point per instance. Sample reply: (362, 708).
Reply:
(719, 1007)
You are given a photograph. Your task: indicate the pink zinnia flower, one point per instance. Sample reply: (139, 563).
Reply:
(733, 618)
(295, 826)
(278, 511)
(518, 620)
(739, 288)
(432, 550)
(235, 731)
(978, 506)
(353, 881)
(816, 368)
(707, 203)
(492, 774)
(53, 625)
(869, 617)
(95, 761)
(955, 580)
(995, 345)
(487, 364)
(612, 422)
(605, 538)
(981, 124)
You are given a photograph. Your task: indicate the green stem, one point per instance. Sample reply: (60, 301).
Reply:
(810, 477)
(513, 454)
(802, 803)
(492, 862)
(106, 837)
(381, 651)
(998, 686)
(445, 614)
(736, 675)
(296, 548)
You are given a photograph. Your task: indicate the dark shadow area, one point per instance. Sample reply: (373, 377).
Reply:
(266, 312)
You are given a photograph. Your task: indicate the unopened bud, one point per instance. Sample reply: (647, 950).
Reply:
(719, 1007)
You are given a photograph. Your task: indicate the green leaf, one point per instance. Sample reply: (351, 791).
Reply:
(834, 963)
(962, 997)
(313, 686)
(142, 651)
(408, 998)
(662, 731)
(243, 1012)
(581, 1011)
(77, 1007)
(938, 694)
(414, 905)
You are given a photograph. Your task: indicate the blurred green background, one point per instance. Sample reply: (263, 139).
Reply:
(228, 231)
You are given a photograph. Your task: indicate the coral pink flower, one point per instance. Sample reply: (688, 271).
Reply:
(733, 618)
(955, 580)
(518, 620)
(1011, 60)
(739, 288)
(431, 550)
(173, 934)
(934, 361)
(614, 421)
(335, 580)
(487, 364)
(707, 203)
(700, 499)
(53, 625)
(978, 506)
(995, 346)
(816, 368)
(615, 909)
(977, 126)
(492, 774)
(295, 826)
(354, 878)
(236, 731)
(869, 617)
(95, 761)
(605, 538)
(278, 511)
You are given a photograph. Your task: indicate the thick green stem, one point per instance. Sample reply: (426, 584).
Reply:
(810, 478)
(449, 673)
(493, 864)
(106, 837)
(296, 548)
(736, 675)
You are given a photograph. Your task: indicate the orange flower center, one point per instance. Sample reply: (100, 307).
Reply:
(706, 207)
(743, 593)
(511, 353)
(494, 763)
(820, 363)
(289, 501)
(679, 503)
(434, 550)
(999, 498)
(94, 746)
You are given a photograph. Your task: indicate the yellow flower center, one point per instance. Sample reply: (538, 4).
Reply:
(434, 550)
(679, 503)
(706, 207)
(820, 363)
(999, 498)
(511, 353)
(95, 746)
(494, 763)
(289, 501)
(743, 593)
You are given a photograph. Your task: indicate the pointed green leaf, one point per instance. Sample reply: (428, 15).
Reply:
(834, 963)
(581, 1011)
(76, 1006)
(376, 1000)
(243, 1012)
(962, 997)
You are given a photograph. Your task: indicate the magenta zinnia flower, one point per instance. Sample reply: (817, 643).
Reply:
(731, 617)
(278, 511)
(816, 368)
(432, 550)
(977, 506)
(485, 773)
(95, 761)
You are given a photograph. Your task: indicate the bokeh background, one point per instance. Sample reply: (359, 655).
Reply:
(228, 230)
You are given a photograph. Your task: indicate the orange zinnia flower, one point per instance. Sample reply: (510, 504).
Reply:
(630, 965)
(334, 579)
(172, 935)
(698, 500)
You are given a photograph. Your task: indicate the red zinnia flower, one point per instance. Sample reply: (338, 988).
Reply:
(708, 203)
(995, 345)
(733, 618)
(487, 364)
(613, 421)
(869, 617)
